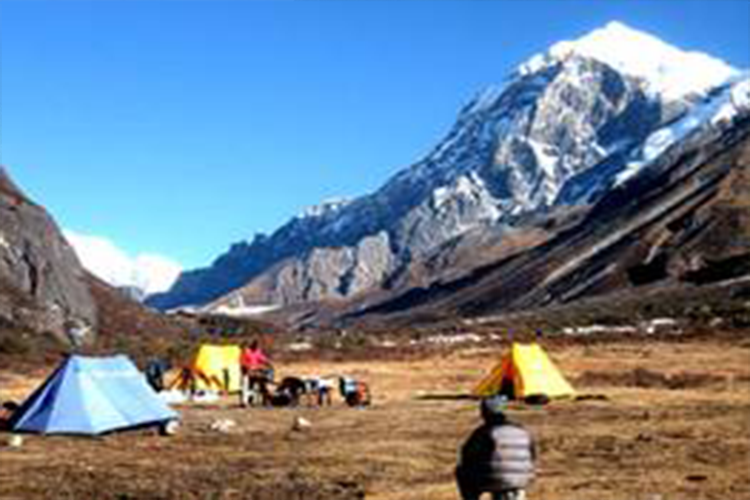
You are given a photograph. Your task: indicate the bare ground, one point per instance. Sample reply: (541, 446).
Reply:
(674, 423)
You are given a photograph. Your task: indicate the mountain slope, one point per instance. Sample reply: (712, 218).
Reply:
(564, 129)
(42, 285)
(49, 304)
(685, 221)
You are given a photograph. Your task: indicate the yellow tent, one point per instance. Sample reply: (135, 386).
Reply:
(525, 371)
(215, 367)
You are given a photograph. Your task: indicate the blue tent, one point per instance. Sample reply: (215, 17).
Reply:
(88, 395)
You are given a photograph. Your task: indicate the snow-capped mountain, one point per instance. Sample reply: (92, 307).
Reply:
(563, 129)
(666, 71)
(138, 276)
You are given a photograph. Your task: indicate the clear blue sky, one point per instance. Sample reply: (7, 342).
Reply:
(178, 127)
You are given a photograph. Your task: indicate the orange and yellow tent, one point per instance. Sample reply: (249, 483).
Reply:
(214, 367)
(525, 371)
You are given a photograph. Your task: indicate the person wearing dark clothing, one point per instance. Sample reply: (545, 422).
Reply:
(498, 457)
(155, 371)
(355, 393)
(7, 410)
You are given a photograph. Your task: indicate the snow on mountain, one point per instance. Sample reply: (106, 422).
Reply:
(666, 70)
(148, 273)
(561, 130)
(714, 111)
(326, 207)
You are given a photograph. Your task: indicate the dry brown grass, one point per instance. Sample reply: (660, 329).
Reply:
(681, 443)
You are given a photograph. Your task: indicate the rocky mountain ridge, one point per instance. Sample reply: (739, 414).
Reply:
(565, 128)
(682, 224)
(50, 305)
(42, 284)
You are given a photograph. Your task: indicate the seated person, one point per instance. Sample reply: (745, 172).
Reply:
(354, 392)
(155, 371)
(6, 413)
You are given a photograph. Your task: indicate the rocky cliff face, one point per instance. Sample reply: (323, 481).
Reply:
(682, 222)
(42, 285)
(565, 128)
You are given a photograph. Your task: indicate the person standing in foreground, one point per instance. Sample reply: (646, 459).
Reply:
(498, 457)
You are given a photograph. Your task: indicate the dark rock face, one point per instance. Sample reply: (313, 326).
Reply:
(42, 284)
(512, 152)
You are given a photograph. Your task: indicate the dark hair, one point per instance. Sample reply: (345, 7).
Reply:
(492, 410)
(10, 406)
(254, 345)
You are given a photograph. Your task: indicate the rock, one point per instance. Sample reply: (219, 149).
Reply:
(42, 284)
(559, 134)
(224, 425)
(170, 428)
(14, 441)
(301, 424)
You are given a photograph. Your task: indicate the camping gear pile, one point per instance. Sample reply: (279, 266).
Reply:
(216, 370)
(97, 395)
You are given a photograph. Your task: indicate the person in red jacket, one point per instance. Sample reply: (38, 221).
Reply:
(257, 371)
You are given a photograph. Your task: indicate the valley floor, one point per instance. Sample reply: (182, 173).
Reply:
(674, 425)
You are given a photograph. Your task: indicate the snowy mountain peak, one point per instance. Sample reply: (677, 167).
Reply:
(664, 69)
(150, 273)
(560, 132)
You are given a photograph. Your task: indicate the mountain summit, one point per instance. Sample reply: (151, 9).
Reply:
(664, 69)
(564, 129)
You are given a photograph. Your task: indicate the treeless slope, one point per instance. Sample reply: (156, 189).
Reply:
(687, 222)
(42, 290)
(127, 326)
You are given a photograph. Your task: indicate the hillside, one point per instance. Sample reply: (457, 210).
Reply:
(524, 160)
(50, 305)
(42, 284)
(683, 228)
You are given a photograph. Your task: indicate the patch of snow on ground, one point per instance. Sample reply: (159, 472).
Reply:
(595, 329)
(649, 327)
(658, 325)
(299, 346)
(243, 311)
(459, 338)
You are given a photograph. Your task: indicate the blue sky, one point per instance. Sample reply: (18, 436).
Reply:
(177, 127)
